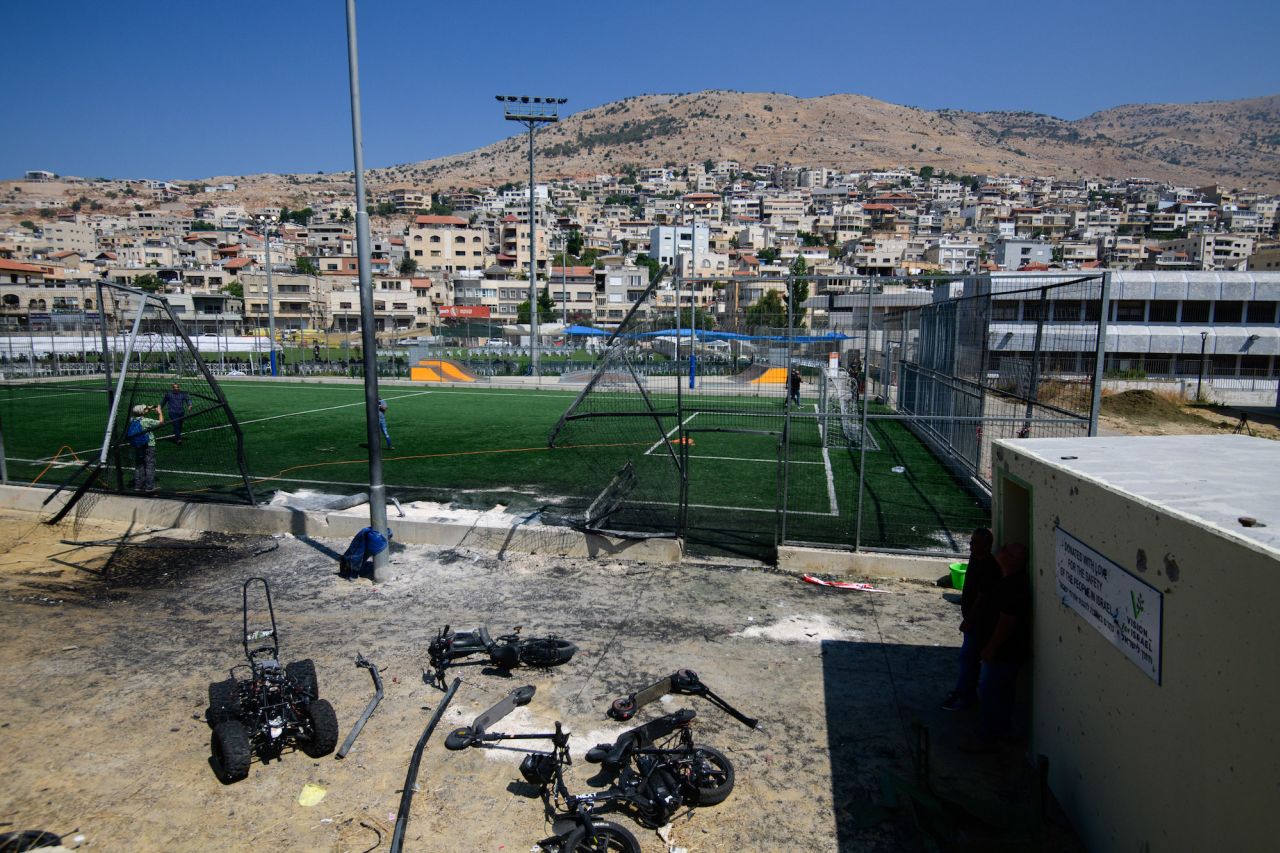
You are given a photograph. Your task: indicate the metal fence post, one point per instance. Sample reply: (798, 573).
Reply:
(1100, 354)
(862, 455)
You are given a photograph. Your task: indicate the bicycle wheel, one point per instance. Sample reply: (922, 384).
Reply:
(710, 776)
(546, 652)
(607, 837)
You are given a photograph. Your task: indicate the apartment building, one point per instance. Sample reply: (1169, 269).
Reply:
(573, 289)
(667, 242)
(1212, 251)
(513, 244)
(1013, 255)
(953, 255)
(448, 244)
(300, 301)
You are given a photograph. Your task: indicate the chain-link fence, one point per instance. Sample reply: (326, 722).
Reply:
(864, 421)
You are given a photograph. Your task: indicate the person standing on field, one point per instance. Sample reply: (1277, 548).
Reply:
(382, 422)
(141, 434)
(176, 403)
(793, 386)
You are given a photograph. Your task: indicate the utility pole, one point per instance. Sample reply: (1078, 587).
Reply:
(532, 112)
(368, 334)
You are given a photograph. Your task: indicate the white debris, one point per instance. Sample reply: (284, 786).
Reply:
(799, 628)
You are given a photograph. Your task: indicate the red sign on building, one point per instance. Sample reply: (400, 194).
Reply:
(480, 312)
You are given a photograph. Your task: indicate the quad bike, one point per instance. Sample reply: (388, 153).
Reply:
(273, 708)
(503, 654)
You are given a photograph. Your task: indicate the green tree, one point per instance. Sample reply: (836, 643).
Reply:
(28, 224)
(202, 225)
(574, 243)
(306, 267)
(799, 290)
(546, 308)
(926, 172)
(768, 255)
(235, 288)
(384, 208)
(696, 318)
(768, 311)
(652, 264)
(149, 282)
(408, 266)
(345, 216)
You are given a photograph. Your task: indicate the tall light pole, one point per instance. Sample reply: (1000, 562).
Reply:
(368, 336)
(532, 112)
(271, 308)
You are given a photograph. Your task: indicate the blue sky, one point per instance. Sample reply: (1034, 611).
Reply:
(180, 89)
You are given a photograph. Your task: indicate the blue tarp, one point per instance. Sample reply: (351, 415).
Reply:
(703, 335)
(359, 554)
(585, 330)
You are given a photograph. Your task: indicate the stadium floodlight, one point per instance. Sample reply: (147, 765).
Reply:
(540, 111)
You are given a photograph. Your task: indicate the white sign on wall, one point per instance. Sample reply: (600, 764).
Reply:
(1124, 609)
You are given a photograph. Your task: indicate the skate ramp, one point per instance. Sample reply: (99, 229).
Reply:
(763, 374)
(440, 370)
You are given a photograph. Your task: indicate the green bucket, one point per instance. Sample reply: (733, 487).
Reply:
(958, 571)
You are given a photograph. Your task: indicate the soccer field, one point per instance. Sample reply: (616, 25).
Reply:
(478, 446)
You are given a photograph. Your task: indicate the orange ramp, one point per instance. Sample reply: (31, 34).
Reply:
(439, 370)
(772, 376)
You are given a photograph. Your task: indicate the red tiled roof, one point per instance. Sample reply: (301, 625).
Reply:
(15, 266)
(237, 263)
(1033, 267)
(510, 217)
(432, 219)
(64, 254)
(878, 207)
(574, 271)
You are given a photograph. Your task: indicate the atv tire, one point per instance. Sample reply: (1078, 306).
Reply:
(303, 673)
(231, 751)
(324, 729)
(224, 701)
(546, 652)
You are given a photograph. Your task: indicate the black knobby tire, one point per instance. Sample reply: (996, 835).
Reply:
(608, 837)
(546, 652)
(224, 701)
(303, 673)
(324, 729)
(231, 751)
(710, 777)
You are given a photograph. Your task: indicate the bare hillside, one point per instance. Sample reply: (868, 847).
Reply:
(1234, 142)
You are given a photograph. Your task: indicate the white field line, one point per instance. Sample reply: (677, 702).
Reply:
(270, 418)
(306, 386)
(731, 508)
(746, 459)
(670, 433)
(20, 399)
(831, 483)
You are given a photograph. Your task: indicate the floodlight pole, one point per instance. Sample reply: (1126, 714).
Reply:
(536, 111)
(368, 335)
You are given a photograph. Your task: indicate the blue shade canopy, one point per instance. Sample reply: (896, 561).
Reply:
(585, 330)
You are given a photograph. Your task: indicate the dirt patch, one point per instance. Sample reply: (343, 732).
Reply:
(1146, 407)
(1143, 412)
(103, 724)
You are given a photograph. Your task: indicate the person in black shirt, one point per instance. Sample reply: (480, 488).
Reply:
(1008, 647)
(176, 403)
(793, 386)
(976, 618)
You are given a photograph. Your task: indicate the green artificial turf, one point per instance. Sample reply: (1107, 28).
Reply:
(478, 446)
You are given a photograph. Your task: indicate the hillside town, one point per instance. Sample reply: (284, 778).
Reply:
(730, 231)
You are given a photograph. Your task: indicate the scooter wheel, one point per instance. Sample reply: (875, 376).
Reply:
(622, 709)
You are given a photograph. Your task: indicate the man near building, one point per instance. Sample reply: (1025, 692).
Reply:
(977, 618)
(1008, 648)
(793, 386)
(176, 403)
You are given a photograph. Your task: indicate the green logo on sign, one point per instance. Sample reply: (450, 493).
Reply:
(1137, 603)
